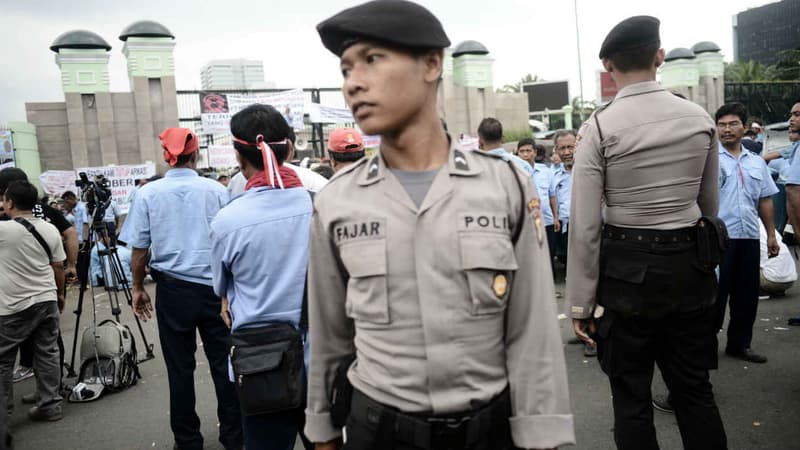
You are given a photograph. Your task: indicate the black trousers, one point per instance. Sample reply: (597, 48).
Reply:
(664, 283)
(182, 309)
(368, 429)
(562, 241)
(551, 244)
(5, 436)
(684, 347)
(738, 281)
(26, 353)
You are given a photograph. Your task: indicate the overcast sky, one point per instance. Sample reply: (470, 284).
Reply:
(523, 36)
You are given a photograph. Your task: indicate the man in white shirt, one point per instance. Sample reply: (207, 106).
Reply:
(31, 296)
(778, 273)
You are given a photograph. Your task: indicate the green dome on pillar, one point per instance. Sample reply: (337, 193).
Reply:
(148, 48)
(145, 29)
(82, 56)
(79, 39)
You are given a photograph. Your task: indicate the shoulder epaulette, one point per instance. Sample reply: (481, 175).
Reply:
(344, 173)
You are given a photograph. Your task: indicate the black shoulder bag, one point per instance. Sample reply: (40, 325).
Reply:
(269, 366)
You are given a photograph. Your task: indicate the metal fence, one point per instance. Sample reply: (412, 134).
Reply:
(311, 138)
(768, 101)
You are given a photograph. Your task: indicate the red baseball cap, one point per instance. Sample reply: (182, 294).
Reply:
(345, 140)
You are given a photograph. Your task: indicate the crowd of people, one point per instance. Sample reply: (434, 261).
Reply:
(409, 297)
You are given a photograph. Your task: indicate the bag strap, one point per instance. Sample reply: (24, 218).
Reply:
(304, 308)
(32, 230)
(518, 230)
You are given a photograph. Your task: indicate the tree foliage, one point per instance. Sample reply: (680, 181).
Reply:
(786, 69)
(517, 87)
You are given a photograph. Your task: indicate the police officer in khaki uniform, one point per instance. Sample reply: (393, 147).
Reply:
(430, 263)
(651, 159)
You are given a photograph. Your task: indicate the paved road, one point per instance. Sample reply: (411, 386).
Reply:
(760, 404)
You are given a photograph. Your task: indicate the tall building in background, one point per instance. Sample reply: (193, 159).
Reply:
(760, 33)
(232, 74)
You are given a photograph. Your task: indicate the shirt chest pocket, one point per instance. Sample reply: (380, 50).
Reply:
(753, 180)
(367, 293)
(489, 263)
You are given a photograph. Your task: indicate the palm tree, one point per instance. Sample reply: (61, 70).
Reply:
(517, 87)
(748, 71)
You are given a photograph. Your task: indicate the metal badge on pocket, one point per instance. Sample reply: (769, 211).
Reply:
(500, 285)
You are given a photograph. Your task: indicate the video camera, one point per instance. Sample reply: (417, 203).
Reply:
(95, 193)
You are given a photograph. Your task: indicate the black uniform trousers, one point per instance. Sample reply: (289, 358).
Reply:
(182, 309)
(739, 280)
(375, 426)
(681, 340)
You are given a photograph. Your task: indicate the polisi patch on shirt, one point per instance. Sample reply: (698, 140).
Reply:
(483, 222)
(365, 229)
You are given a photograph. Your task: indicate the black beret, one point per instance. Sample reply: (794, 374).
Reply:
(632, 33)
(395, 22)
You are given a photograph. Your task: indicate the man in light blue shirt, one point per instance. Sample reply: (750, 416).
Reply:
(259, 254)
(102, 272)
(564, 143)
(746, 190)
(78, 210)
(171, 220)
(490, 140)
(543, 179)
(793, 173)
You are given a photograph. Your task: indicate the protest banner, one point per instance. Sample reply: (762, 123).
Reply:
(214, 114)
(291, 104)
(371, 141)
(122, 179)
(222, 156)
(326, 114)
(6, 149)
(216, 109)
(469, 142)
(56, 182)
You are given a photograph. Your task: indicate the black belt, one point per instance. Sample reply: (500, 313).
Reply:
(648, 235)
(440, 433)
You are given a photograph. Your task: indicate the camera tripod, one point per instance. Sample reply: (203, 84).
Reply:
(113, 276)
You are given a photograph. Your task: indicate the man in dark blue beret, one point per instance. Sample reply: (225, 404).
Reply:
(637, 276)
(428, 263)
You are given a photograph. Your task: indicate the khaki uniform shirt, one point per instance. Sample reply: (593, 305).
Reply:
(442, 310)
(656, 167)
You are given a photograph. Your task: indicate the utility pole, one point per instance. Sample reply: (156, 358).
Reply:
(580, 69)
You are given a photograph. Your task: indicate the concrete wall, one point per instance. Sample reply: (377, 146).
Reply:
(103, 128)
(463, 108)
(512, 111)
(52, 134)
